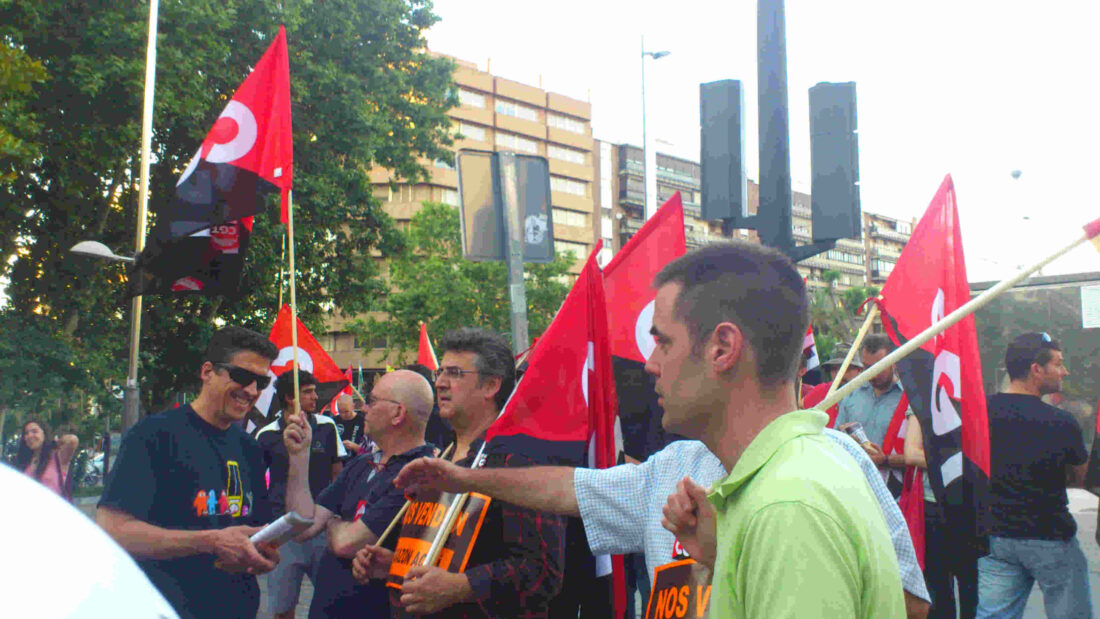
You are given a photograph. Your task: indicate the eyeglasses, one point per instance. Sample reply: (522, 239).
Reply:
(453, 372)
(245, 377)
(373, 399)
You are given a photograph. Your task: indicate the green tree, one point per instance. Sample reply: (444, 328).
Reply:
(364, 92)
(833, 315)
(19, 73)
(430, 281)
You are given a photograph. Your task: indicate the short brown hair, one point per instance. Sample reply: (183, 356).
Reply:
(755, 287)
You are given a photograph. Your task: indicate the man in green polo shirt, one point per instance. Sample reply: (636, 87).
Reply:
(793, 530)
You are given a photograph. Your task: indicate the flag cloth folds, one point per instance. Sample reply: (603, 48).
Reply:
(200, 238)
(311, 358)
(811, 361)
(425, 354)
(565, 401)
(628, 280)
(943, 378)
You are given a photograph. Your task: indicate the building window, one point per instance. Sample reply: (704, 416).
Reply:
(439, 163)
(904, 227)
(514, 142)
(841, 256)
(570, 218)
(472, 132)
(566, 185)
(605, 228)
(883, 267)
(566, 123)
(511, 108)
(566, 154)
(470, 99)
(579, 250)
(450, 196)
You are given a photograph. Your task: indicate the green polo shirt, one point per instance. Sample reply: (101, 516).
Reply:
(800, 533)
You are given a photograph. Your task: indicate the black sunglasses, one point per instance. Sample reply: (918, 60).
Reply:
(245, 377)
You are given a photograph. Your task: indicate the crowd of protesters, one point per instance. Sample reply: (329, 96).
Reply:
(786, 516)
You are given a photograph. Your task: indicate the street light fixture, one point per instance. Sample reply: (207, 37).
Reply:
(95, 249)
(649, 174)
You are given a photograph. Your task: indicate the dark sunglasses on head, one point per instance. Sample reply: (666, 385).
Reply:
(245, 377)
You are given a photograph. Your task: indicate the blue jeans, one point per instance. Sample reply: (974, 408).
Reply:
(1006, 576)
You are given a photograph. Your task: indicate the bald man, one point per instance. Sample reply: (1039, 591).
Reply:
(349, 422)
(362, 501)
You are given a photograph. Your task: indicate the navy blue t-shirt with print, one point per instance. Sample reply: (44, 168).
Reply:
(365, 491)
(176, 471)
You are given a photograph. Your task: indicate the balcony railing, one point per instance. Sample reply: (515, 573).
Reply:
(887, 233)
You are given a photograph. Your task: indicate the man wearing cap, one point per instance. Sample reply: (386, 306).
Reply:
(1036, 451)
(818, 392)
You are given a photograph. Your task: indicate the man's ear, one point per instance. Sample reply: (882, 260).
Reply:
(206, 371)
(727, 345)
(493, 385)
(400, 416)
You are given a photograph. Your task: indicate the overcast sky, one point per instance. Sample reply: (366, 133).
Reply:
(974, 89)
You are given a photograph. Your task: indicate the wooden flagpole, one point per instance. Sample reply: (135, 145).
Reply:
(293, 297)
(872, 314)
(393, 523)
(282, 257)
(962, 312)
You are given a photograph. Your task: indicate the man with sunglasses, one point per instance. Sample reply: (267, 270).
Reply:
(188, 487)
(1036, 451)
(358, 506)
(298, 558)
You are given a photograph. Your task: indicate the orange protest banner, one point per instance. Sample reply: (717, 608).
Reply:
(680, 589)
(420, 525)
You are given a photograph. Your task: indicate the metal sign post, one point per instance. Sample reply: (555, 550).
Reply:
(514, 240)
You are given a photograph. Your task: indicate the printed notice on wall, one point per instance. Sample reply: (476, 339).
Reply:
(1090, 307)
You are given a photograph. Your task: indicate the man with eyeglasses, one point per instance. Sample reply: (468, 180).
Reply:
(515, 567)
(358, 506)
(298, 557)
(1036, 451)
(188, 487)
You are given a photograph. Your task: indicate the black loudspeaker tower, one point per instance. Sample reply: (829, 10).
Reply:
(834, 162)
(724, 191)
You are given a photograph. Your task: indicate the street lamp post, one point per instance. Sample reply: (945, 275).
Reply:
(649, 172)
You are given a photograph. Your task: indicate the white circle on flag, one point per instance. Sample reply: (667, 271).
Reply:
(646, 345)
(242, 142)
(285, 359)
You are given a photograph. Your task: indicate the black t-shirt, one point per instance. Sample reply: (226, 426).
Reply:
(359, 492)
(325, 451)
(176, 471)
(1032, 444)
(350, 429)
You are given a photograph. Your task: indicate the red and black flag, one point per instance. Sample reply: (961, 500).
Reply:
(943, 378)
(331, 380)
(565, 401)
(201, 235)
(628, 280)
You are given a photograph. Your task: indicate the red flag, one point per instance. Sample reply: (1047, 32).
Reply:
(942, 379)
(566, 398)
(628, 279)
(425, 354)
(311, 358)
(200, 237)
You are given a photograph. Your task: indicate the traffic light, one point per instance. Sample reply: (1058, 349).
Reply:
(724, 192)
(834, 162)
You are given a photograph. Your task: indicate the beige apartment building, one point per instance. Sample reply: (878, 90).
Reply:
(496, 114)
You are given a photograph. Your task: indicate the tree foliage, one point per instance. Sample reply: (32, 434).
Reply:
(364, 93)
(430, 281)
(833, 315)
(19, 73)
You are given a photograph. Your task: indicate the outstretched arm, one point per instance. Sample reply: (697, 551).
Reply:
(541, 488)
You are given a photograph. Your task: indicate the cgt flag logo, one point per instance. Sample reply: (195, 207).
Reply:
(311, 358)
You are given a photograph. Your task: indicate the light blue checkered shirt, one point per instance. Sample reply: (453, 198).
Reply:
(621, 506)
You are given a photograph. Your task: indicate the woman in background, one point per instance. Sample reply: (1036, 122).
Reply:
(46, 459)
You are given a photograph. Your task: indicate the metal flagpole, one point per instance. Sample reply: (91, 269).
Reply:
(132, 392)
(962, 312)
